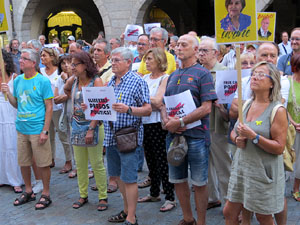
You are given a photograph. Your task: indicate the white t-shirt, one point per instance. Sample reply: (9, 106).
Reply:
(246, 90)
(153, 85)
(53, 78)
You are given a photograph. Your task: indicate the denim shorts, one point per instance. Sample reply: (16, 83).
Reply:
(196, 159)
(123, 165)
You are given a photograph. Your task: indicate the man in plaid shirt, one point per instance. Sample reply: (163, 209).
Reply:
(133, 102)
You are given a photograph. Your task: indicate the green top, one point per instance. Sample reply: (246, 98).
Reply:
(290, 105)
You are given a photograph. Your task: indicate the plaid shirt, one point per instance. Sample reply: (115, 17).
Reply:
(132, 91)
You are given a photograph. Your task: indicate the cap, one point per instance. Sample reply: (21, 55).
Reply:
(71, 38)
(177, 151)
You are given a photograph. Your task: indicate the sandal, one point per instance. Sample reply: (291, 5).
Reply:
(17, 189)
(65, 170)
(111, 188)
(149, 198)
(94, 188)
(128, 223)
(118, 218)
(102, 206)
(78, 204)
(24, 198)
(145, 183)
(45, 203)
(296, 196)
(183, 222)
(91, 174)
(73, 174)
(167, 206)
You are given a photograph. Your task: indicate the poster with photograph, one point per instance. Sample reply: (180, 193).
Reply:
(266, 23)
(3, 18)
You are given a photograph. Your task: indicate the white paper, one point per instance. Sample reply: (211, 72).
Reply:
(149, 26)
(99, 102)
(226, 84)
(132, 32)
(135, 66)
(181, 105)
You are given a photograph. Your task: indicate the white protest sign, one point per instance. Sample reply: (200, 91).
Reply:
(135, 66)
(149, 26)
(99, 102)
(132, 32)
(53, 45)
(226, 84)
(181, 105)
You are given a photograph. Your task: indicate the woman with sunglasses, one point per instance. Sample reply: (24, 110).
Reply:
(86, 72)
(49, 58)
(257, 181)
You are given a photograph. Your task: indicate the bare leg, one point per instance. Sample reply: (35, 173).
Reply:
(46, 174)
(201, 200)
(231, 213)
(36, 171)
(264, 219)
(282, 216)
(296, 185)
(183, 195)
(26, 174)
(246, 217)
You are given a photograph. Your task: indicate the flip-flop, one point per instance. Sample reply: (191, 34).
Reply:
(167, 206)
(65, 170)
(111, 188)
(73, 174)
(17, 189)
(149, 198)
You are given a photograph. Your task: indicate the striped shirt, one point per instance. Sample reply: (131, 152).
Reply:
(199, 81)
(132, 91)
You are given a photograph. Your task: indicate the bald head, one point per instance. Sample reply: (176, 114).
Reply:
(74, 48)
(187, 47)
(267, 52)
(193, 33)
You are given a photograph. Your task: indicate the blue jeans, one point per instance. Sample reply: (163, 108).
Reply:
(196, 159)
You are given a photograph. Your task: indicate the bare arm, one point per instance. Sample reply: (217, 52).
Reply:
(68, 86)
(12, 100)
(144, 110)
(59, 98)
(48, 117)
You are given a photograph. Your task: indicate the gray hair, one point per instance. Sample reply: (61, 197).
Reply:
(33, 56)
(174, 38)
(213, 41)
(275, 94)
(36, 44)
(163, 32)
(42, 36)
(107, 48)
(124, 52)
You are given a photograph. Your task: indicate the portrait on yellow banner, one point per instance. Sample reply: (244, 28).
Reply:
(266, 23)
(235, 21)
(3, 18)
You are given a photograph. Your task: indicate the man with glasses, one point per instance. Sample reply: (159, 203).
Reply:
(220, 156)
(159, 39)
(142, 46)
(133, 102)
(32, 96)
(284, 62)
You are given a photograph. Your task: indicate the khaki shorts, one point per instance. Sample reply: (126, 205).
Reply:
(28, 147)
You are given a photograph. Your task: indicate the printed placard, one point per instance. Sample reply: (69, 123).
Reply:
(3, 18)
(181, 105)
(226, 84)
(235, 22)
(99, 102)
(266, 22)
(132, 32)
(149, 26)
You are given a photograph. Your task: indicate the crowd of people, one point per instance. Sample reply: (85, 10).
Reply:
(231, 163)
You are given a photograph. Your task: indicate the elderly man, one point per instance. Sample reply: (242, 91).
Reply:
(32, 96)
(285, 46)
(74, 47)
(263, 32)
(133, 102)
(284, 63)
(220, 156)
(266, 52)
(15, 53)
(142, 47)
(42, 40)
(36, 45)
(199, 82)
(115, 43)
(159, 38)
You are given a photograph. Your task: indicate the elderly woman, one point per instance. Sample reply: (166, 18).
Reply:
(235, 20)
(293, 108)
(154, 135)
(10, 173)
(85, 71)
(257, 178)
(49, 58)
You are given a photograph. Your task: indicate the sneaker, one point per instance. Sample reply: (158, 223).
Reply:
(38, 187)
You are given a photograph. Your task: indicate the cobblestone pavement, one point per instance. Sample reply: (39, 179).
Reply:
(64, 192)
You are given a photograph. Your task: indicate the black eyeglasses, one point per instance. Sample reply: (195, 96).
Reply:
(74, 65)
(295, 39)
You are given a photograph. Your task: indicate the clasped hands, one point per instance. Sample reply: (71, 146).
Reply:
(172, 124)
(245, 133)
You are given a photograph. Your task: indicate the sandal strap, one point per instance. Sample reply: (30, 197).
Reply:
(118, 217)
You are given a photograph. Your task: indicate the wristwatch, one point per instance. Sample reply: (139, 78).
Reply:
(181, 122)
(256, 139)
(129, 111)
(92, 128)
(45, 132)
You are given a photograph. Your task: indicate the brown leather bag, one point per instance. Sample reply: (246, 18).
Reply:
(127, 139)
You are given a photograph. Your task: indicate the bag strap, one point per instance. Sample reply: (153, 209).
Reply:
(246, 104)
(73, 95)
(103, 71)
(276, 107)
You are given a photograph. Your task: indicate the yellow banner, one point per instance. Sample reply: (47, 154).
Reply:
(3, 18)
(266, 23)
(235, 21)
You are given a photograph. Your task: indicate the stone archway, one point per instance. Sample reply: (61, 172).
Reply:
(31, 16)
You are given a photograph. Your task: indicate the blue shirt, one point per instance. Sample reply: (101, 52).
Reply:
(16, 59)
(244, 21)
(132, 91)
(284, 64)
(30, 94)
(199, 81)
